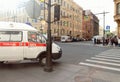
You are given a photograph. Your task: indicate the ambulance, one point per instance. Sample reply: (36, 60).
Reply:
(19, 41)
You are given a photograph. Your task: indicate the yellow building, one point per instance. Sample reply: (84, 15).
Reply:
(70, 22)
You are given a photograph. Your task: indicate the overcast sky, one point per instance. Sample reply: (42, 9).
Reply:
(99, 6)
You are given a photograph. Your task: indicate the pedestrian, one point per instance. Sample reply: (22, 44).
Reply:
(94, 40)
(115, 41)
(107, 41)
(118, 41)
(112, 41)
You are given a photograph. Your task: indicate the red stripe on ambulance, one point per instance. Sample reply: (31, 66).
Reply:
(21, 44)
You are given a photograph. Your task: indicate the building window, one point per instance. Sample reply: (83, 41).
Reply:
(118, 8)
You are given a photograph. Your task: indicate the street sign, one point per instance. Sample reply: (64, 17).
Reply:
(107, 27)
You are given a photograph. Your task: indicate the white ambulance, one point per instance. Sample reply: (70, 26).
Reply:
(19, 41)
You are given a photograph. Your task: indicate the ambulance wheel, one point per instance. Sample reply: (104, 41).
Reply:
(42, 61)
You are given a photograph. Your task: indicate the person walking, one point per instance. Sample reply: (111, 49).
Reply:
(95, 41)
(115, 41)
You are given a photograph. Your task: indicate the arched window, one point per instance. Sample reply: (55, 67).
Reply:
(118, 8)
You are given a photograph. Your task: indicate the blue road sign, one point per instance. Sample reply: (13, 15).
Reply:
(107, 27)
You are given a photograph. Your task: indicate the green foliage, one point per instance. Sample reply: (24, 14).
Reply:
(110, 35)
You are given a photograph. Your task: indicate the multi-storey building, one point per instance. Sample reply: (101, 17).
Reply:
(90, 25)
(117, 15)
(70, 22)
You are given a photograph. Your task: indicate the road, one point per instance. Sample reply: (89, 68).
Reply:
(64, 70)
(76, 52)
(90, 55)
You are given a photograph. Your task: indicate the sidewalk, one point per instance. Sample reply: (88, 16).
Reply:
(61, 73)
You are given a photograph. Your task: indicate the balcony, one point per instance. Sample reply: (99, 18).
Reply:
(117, 17)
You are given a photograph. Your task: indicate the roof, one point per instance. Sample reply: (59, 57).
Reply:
(16, 26)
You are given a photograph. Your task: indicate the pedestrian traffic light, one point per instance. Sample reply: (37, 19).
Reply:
(56, 12)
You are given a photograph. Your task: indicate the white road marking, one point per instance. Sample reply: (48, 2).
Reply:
(105, 59)
(100, 66)
(115, 55)
(101, 62)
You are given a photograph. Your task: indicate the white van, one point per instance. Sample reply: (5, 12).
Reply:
(66, 39)
(99, 39)
(20, 41)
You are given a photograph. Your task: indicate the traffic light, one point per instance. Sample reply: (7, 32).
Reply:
(56, 12)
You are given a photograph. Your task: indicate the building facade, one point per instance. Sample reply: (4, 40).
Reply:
(90, 25)
(74, 21)
(117, 15)
(70, 22)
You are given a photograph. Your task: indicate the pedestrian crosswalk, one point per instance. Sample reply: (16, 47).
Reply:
(104, 61)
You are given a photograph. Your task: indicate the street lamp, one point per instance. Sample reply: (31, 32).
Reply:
(103, 25)
(58, 28)
(48, 66)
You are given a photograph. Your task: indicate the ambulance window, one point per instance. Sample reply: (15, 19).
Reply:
(16, 36)
(36, 37)
(10, 36)
(32, 36)
(41, 38)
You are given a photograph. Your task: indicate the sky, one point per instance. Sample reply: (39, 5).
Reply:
(11, 4)
(99, 6)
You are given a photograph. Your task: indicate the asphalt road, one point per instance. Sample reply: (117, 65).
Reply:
(64, 70)
(76, 52)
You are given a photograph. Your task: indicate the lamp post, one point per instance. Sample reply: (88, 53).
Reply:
(58, 28)
(48, 66)
(103, 28)
(103, 25)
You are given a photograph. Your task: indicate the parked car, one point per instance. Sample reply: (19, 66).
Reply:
(99, 39)
(66, 39)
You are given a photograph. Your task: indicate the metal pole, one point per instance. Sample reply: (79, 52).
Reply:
(104, 28)
(103, 23)
(33, 9)
(44, 9)
(48, 67)
(58, 28)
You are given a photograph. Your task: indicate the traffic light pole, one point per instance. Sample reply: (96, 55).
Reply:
(48, 67)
